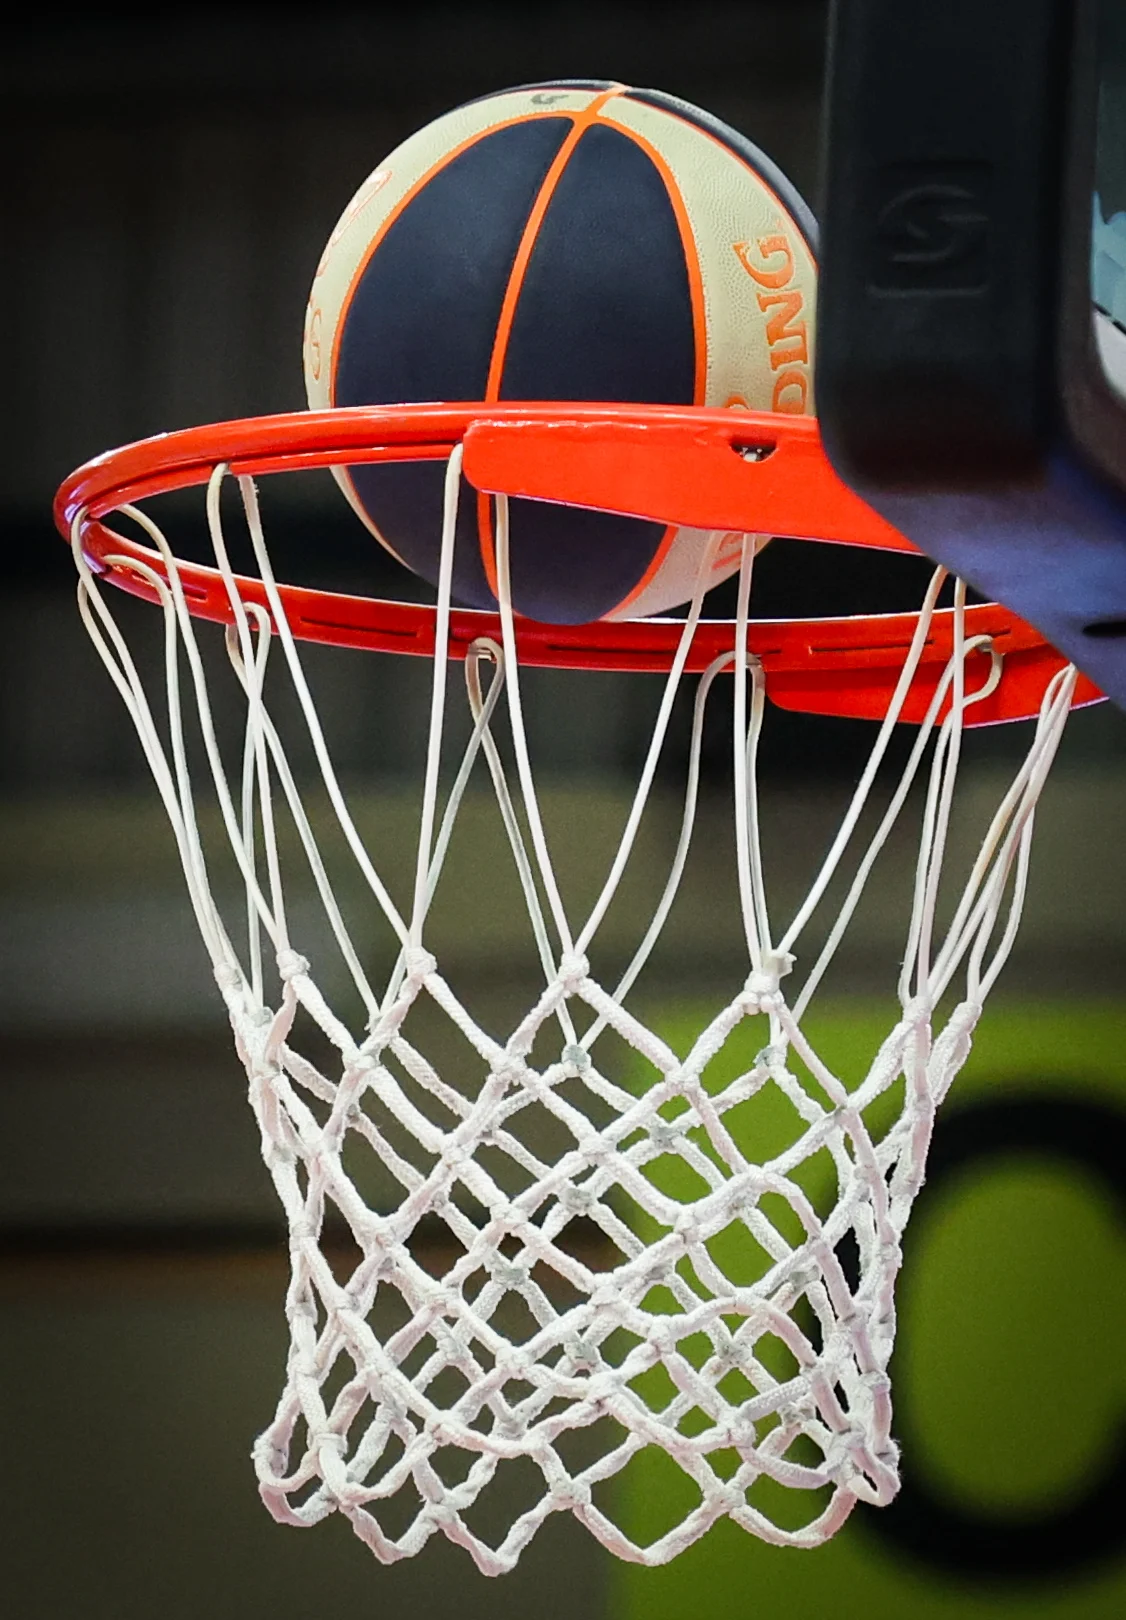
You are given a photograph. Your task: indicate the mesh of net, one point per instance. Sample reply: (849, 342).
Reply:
(622, 1266)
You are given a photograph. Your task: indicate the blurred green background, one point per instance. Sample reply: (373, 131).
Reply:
(169, 185)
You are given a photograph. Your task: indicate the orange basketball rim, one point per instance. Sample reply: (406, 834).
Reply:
(741, 471)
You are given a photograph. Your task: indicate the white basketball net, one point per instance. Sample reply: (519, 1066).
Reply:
(521, 1349)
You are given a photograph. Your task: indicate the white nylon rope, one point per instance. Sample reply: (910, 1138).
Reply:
(519, 736)
(253, 678)
(936, 817)
(656, 744)
(262, 737)
(891, 815)
(251, 671)
(178, 620)
(748, 856)
(437, 700)
(1013, 853)
(680, 855)
(481, 706)
(667, 1303)
(875, 758)
(114, 654)
(308, 709)
(508, 809)
(637, 808)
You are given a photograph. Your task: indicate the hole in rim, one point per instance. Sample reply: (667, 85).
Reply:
(752, 452)
(1105, 629)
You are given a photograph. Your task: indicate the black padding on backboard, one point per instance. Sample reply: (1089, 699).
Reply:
(935, 341)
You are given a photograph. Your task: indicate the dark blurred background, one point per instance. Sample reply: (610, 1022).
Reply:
(169, 180)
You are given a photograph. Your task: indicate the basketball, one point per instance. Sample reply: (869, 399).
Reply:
(574, 240)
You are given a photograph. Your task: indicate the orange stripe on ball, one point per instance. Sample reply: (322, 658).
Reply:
(699, 329)
(580, 123)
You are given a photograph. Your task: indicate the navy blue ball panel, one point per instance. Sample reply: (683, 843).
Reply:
(570, 566)
(605, 309)
(404, 500)
(604, 313)
(422, 323)
(423, 315)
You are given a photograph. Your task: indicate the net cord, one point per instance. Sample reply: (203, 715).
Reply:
(114, 653)
(285, 636)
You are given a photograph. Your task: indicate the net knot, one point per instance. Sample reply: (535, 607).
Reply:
(731, 1354)
(511, 1070)
(360, 1068)
(227, 976)
(571, 1493)
(665, 1134)
(328, 1440)
(574, 969)
(456, 1157)
(889, 1253)
(575, 1200)
(596, 1150)
(419, 963)
(876, 1383)
(508, 1275)
(840, 1463)
(437, 1510)
(803, 1276)
(291, 965)
(760, 992)
(796, 1414)
(606, 1296)
(662, 1335)
(579, 1353)
(510, 1427)
(440, 1432)
(730, 1498)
